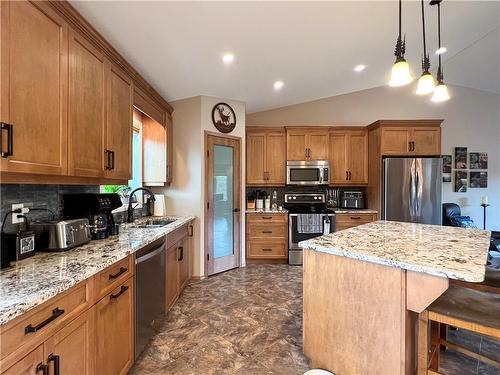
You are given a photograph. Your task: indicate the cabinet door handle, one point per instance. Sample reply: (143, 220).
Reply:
(10, 143)
(43, 368)
(56, 313)
(112, 160)
(413, 145)
(123, 289)
(350, 176)
(120, 272)
(107, 153)
(346, 175)
(190, 230)
(55, 359)
(180, 258)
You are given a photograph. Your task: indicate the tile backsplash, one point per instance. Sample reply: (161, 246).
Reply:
(39, 196)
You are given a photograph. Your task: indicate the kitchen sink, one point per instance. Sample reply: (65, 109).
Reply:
(152, 223)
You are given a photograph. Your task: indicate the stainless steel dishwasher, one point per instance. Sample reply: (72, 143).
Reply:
(149, 281)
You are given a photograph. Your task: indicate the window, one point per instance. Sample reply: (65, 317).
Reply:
(136, 180)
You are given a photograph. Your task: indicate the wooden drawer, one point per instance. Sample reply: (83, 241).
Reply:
(267, 250)
(178, 234)
(43, 320)
(267, 230)
(111, 277)
(267, 218)
(354, 218)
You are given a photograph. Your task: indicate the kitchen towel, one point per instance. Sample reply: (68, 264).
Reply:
(159, 207)
(309, 223)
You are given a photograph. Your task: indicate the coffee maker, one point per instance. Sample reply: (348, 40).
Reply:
(97, 208)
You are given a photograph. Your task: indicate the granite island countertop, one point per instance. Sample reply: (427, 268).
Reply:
(455, 253)
(354, 211)
(264, 211)
(30, 282)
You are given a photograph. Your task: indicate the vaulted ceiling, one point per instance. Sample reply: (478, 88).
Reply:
(311, 46)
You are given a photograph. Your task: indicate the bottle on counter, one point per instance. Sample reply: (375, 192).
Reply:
(274, 200)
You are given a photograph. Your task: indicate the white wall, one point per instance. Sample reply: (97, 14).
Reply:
(186, 194)
(471, 119)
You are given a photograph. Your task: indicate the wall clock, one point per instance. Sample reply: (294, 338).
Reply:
(223, 117)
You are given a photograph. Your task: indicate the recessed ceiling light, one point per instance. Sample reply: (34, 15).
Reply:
(440, 51)
(359, 68)
(228, 58)
(278, 85)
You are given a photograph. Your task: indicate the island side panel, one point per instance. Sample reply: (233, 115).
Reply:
(354, 315)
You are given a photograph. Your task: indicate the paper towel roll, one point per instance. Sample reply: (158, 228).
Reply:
(159, 208)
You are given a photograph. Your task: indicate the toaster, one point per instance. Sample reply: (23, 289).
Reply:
(60, 235)
(352, 199)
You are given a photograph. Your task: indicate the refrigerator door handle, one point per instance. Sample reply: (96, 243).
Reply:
(413, 186)
(419, 187)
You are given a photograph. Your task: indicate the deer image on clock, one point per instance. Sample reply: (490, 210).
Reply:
(223, 117)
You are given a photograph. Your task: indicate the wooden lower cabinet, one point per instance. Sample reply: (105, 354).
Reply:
(346, 221)
(115, 328)
(177, 263)
(266, 237)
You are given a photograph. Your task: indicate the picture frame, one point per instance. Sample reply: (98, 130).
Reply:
(460, 182)
(478, 160)
(447, 159)
(478, 180)
(460, 157)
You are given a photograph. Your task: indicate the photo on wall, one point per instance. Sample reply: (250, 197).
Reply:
(446, 168)
(460, 157)
(478, 160)
(460, 181)
(478, 180)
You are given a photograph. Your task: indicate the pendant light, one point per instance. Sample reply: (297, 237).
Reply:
(441, 91)
(400, 74)
(426, 83)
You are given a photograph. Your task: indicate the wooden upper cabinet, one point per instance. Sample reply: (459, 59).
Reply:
(419, 140)
(296, 145)
(256, 158)
(154, 151)
(266, 150)
(357, 154)
(275, 158)
(307, 143)
(169, 126)
(318, 145)
(87, 92)
(118, 158)
(349, 157)
(338, 157)
(395, 140)
(426, 140)
(34, 67)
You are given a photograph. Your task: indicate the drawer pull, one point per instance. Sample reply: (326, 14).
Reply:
(43, 368)
(355, 218)
(267, 249)
(190, 230)
(267, 231)
(55, 359)
(267, 217)
(121, 272)
(56, 313)
(123, 289)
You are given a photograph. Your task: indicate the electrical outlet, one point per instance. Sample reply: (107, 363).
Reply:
(15, 218)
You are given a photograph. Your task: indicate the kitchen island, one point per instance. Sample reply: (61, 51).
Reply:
(364, 286)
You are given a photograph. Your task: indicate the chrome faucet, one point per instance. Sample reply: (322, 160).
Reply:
(130, 210)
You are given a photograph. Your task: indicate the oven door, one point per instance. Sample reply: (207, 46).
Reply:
(295, 236)
(304, 175)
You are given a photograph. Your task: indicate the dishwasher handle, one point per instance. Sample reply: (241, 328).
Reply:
(149, 255)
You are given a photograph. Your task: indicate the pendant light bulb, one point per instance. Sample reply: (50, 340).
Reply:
(400, 75)
(426, 84)
(440, 93)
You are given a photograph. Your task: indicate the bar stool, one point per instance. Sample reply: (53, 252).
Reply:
(465, 308)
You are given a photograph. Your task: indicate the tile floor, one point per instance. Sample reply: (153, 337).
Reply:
(249, 321)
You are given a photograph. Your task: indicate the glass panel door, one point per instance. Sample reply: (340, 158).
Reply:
(223, 202)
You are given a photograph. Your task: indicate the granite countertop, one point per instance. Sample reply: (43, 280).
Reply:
(354, 211)
(455, 253)
(30, 282)
(264, 211)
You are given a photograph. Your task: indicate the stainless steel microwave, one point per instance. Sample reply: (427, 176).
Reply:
(308, 172)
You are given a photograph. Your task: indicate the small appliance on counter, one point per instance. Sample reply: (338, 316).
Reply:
(96, 207)
(352, 199)
(61, 235)
(16, 245)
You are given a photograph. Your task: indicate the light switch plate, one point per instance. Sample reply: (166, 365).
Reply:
(15, 218)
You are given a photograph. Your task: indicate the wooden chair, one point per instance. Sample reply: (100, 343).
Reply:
(473, 310)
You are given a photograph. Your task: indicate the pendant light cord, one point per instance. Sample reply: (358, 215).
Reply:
(423, 29)
(440, 70)
(400, 9)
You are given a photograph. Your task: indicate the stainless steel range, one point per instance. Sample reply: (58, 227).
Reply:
(308, 218)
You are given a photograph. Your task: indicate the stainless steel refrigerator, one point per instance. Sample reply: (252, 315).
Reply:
(412, 190)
